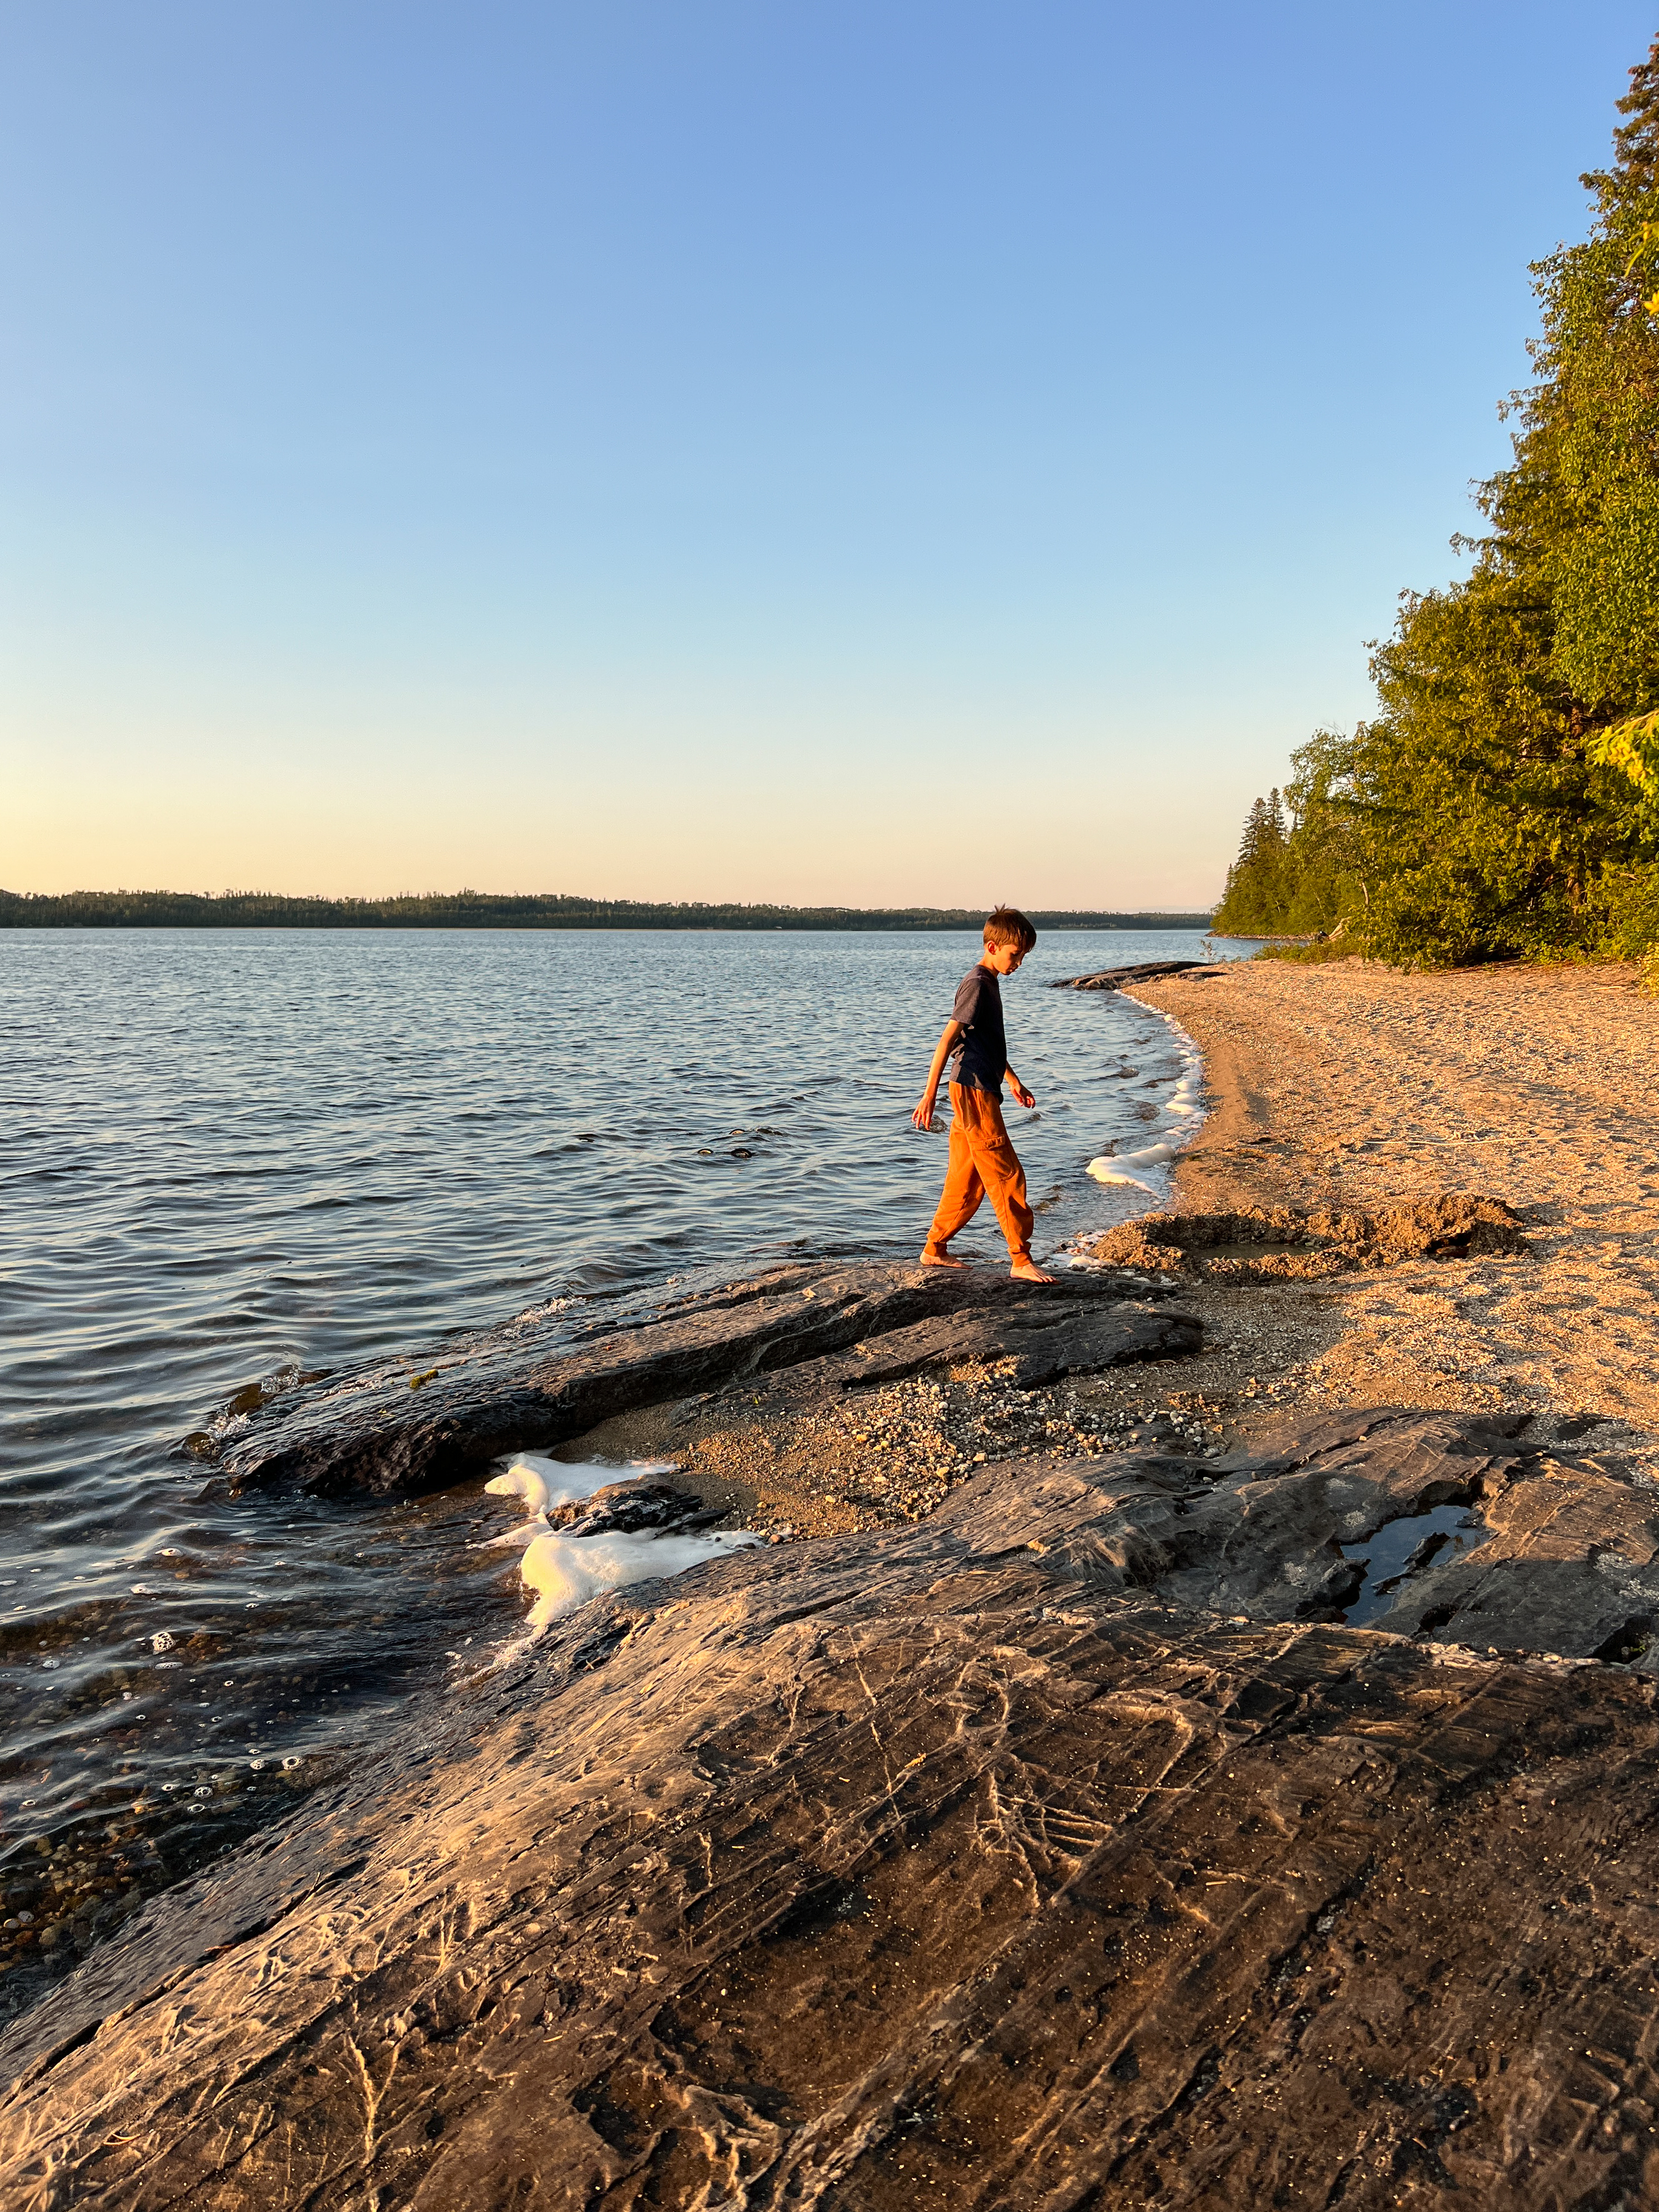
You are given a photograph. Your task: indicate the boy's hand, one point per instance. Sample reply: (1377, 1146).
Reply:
(1025, 1098)
(923, 1116)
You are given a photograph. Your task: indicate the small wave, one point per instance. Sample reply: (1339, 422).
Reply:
(542, 1312)
(1119, 1167)
(1185, 1105)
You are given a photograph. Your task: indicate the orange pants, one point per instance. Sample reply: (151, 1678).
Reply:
(982, 1158)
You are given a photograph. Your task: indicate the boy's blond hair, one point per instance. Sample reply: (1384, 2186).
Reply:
(1008, 925)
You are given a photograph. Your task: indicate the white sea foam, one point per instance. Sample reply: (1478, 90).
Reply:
(1185, 1107)
(547, 1484)
(1121, 1167)
(565, 1572)
(544, 1484)
(520, 1534)
(541, 1483)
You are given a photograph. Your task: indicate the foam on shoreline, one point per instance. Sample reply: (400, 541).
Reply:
(1185, 1107)
(545, 1485)
(565, 1572)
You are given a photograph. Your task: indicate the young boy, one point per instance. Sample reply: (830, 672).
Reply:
(981, 1156)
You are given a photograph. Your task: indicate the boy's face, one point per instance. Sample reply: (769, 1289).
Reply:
(1003, 959)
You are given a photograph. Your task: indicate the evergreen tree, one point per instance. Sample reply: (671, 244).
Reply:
(1300, 875)
(1506, 800)
(1255, 882)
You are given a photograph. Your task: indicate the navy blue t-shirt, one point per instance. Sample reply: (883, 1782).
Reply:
(981, 1056)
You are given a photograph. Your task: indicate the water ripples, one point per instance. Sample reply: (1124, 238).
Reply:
(232, 1154)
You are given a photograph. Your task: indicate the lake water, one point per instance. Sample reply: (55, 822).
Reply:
(227, 1153)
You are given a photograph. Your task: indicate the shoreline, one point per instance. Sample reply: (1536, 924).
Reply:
(1304, 1069)
(1313, 1079)
(1353, 1086)
(1121, 1730)
(180, 1665)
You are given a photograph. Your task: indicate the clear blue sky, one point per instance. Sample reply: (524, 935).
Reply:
(803, 451)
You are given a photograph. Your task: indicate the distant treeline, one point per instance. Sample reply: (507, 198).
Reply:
(491, 910)
(1504, 803)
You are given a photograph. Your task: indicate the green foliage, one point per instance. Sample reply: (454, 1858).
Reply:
(1504, 802)
(1594, 420)
(1257, 884)
(1486, 822)
(1300, 876)
(1632, 748)
(491, 910)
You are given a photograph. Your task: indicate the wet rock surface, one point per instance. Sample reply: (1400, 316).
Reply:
(1116, 979)
(1558, 1557)
(1047, 1854)
(1260, 1244)
(626, 1508)
(399, 1429)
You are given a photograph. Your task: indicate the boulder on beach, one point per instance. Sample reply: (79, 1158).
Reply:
(1117, 979)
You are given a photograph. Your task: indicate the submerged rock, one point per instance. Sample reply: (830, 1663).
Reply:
(370, 1428)
(1261, 1243)
(984, 1863)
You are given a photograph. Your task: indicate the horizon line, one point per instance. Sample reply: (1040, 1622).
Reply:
(470, 907)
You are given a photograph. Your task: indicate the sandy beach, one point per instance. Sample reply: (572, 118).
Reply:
(1356, 1085)
(1349, 1085)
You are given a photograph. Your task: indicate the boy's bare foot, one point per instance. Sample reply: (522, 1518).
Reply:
(1027, 1271)
(930, 1258)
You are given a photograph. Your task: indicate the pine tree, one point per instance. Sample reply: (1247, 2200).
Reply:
(1256, 882)
(1491, 803)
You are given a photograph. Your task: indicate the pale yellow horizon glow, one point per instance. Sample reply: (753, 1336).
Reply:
(847, 807)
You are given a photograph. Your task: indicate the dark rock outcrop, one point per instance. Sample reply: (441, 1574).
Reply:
(982, 1863)
(1556, 1558)
(392, 1428)
(1116, 979)
(1262, 1244)
(1044, 1341)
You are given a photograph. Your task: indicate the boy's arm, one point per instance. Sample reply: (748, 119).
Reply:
(923, 1116)
(1024, 1097)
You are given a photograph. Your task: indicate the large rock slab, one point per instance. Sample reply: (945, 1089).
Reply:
(1044, 1341)
(399, 1427)
(1567, 1561)
(954, 1864)
(1551, 1556)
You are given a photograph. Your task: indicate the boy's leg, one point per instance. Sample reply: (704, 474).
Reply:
(960, 1200)
(1004, 1179)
